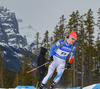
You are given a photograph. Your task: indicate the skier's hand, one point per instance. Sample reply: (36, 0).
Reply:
(51, 59)
(46, 67)
(68, 66)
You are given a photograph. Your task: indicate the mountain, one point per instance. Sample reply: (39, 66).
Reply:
(29, 32)
(10, 39)
(9, 33)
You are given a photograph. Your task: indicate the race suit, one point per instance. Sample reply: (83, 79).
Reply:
(59, 59)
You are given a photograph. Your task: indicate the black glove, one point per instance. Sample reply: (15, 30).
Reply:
(68, 66)
(51, 59)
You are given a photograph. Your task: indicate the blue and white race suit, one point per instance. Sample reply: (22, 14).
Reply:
(59, 59)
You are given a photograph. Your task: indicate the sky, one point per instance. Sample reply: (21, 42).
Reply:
(44, 15)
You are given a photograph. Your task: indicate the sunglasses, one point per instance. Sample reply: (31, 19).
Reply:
(73, 39)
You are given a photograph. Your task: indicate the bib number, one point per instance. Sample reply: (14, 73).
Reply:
(63, 53)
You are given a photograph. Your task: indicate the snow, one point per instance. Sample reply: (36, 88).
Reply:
(29, 33)
(7, 30)
(4, 52)
(11, 32)
(9, 19)
(7, 24)
(3, 44)
(19, 54)
(12, 39)
(89, 87)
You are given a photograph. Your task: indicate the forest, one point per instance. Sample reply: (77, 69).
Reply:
(85, 69)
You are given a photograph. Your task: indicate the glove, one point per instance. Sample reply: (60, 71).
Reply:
(68, 66)
(51, 59)
(46, 67)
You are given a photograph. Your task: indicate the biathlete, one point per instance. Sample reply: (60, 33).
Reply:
(58, 57)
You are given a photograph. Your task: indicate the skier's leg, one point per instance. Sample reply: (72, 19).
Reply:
(51, 69)
(60, 70)
(50, 72)
(57, 78)
(59, 74)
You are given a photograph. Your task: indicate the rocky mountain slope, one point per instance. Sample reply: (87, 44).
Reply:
(10, 39)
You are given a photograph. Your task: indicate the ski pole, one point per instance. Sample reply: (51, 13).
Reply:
(65, 68)
(37, 67)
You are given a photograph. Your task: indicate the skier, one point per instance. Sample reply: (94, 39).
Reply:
(41, 60)
(58, 59)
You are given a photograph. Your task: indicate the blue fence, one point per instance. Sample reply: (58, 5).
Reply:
(25, 87)
(74, 88)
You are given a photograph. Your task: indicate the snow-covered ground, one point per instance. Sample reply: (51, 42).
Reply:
(93, 86)
(89, 87)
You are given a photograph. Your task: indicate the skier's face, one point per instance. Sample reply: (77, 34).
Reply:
(72, 40)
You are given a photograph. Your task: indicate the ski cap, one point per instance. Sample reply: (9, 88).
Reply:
(73, 35)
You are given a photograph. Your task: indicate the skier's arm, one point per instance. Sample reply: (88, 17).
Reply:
(72, 54)
(71, 57)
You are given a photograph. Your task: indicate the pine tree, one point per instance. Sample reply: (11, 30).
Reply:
(46, 43)
(56, 34)
(15, 82)
(59, 32)
(89, 50)
(24, 61)
(51, 41)
(1, 68)
(97, 58)
(62, 26)
(81, 50)
(37, 43)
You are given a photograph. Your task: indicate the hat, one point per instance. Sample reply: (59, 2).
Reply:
(73, 35)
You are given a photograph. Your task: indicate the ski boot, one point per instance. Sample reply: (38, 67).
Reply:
(41, 86)
(52, 85)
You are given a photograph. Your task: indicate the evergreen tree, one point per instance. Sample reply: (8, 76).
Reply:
(81, 47)
(62, 26)
(46, 43)
(22, 77)
(36, 43)
(56, 35)
(8, 78)
(59, 32)
(89, 50)
(25, 62)
(51, 41)
(97, 58)
(15, 82)
(1, 68)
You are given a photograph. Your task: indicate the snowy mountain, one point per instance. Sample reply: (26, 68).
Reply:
(9, 33)
(29, 32)
(10, 39)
